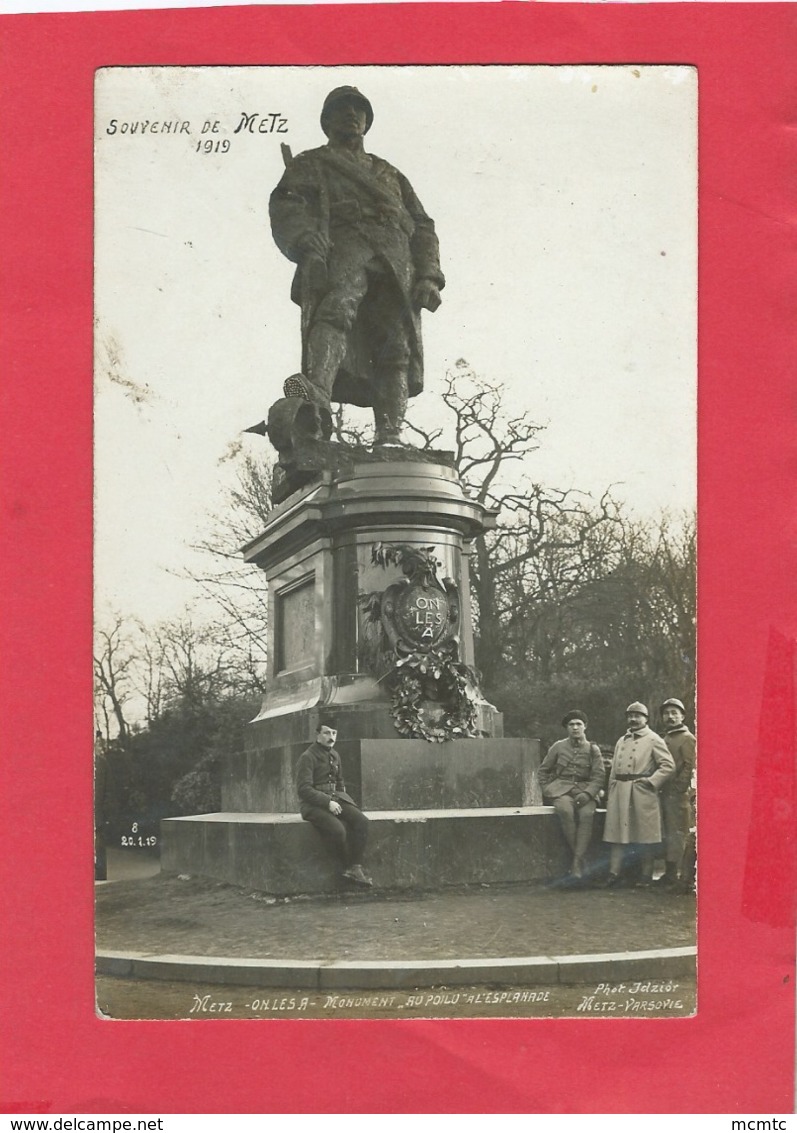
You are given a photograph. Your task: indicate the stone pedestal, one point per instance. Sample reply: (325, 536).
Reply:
(466, 810)
(317, 551)
(416, 849)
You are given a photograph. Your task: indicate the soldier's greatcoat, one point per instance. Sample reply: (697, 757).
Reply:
(371, 214)
(683, 748)
(632, 804)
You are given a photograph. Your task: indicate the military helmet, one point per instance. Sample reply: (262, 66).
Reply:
(337, 95)
(639, 707)
(673, 703)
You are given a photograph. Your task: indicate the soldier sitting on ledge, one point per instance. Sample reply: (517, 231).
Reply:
(325, 803)
(571, 777)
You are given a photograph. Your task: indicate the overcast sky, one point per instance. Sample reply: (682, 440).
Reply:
(565, 200)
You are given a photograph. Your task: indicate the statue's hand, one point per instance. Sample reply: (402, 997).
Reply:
(425, 294)
(314, 243)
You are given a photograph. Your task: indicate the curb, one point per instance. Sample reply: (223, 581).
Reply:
(337, 975)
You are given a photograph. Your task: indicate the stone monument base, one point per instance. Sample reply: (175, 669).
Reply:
(367, 568)
(389, 774)
(282, 855)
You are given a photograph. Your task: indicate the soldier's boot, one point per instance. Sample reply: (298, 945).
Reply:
(669, 878)
(390, 405)
(611, 881)
(688, 882)
(357, 874)
(645, 870)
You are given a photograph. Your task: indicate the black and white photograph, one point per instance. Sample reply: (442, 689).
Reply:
(395, 541)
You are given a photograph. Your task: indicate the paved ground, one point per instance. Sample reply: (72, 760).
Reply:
(161, 914)
(140, 910)
(128, 865)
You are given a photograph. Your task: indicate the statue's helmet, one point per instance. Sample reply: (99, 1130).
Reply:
(338, 95)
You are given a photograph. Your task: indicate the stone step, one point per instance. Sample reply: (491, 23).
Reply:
(282, 855)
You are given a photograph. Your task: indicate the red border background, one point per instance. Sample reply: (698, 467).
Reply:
(737, 1054)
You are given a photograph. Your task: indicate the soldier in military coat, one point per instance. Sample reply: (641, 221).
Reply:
(641, 765)
(368, 261)
(676, 812)
(325, 803)
(571, 777)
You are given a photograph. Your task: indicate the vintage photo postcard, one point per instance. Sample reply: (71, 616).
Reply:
(395, 483)
(395, 545)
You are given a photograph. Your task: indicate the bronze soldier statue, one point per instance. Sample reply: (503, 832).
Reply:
(367, 262)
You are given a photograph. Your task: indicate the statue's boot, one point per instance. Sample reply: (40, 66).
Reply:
(326, 349)
(390, 406)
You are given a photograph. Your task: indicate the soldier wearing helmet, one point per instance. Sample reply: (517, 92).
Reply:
(676, 816)
(641, 765)
(367, 263)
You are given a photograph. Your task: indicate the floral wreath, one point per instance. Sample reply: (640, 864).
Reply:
(415, 676)
(433, 675)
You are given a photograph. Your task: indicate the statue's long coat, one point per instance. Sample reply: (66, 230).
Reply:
(371, 207)
(632, 808)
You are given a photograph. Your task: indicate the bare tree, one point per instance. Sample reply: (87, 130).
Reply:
(197, 664)
(565, 584)
(150, 671)
(114, 677)
(545, 543)
(237, 590)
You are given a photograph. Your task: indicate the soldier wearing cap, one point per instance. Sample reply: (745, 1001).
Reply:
(326, 804)
(571, 777)
(641, 765)
(368, 261)
(675, 809)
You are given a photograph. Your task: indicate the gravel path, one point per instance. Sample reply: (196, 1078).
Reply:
(162, 914)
